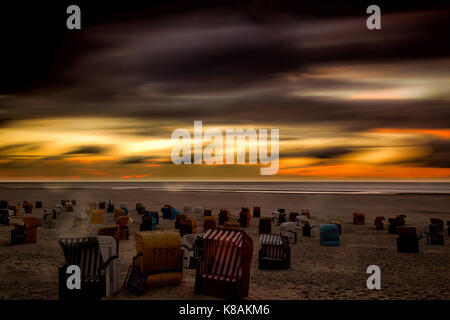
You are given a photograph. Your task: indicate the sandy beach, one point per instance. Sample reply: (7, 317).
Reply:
(29, 271)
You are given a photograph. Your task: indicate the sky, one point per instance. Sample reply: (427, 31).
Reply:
(101, 103)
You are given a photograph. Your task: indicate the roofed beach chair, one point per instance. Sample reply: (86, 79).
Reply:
(223, 270)
(274, 252)
(5, 215)
(148, 223)
(275, 216)
(121, 212)
(111, 231)
(38, 205)
(169, 212)
(306, 212)
(293, 216)
(110, 208)
(224, 215)
(28, 207)
(438, 222)
(188, 226)
(123, 222)
(358, 218)
(307, 228)
(232, 225)
(407, 240)
(97, 259)
(289, 229)
(209, 222)
(207, 213)
(338, 223)
(400, 220)
(102, 205)
(158, 260)
(392, 227)
(138, 207)
(265, 225)
(434, 235)
(97, 216)
(25, 230)
(256, 212)
(329, 235)
(379, 223)
(178, 219)
(244, 217)
(188, 244)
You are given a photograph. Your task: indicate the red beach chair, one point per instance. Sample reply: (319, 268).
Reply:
(224, 269)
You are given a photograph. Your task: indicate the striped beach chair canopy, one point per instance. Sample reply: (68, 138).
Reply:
(236, 237)
(270, 239)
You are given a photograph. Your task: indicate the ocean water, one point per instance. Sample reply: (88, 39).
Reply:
(253, 187)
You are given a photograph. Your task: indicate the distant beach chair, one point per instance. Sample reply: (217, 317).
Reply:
(379, 223)
(38, 205)
(358, 218)
(28, 207)
(265, 225)
(434, 235)
(256, 212)
(274, 252)
(338, 223)
(207, 213)
(278, 217)
(198, 210)
(329, 235)
(121, 212)
(307, 228)
(97, 259)
(224, 269)
(289, 229)
(97, 216)
(187, 209)
(138, 207)
(281, 210)
(111, 231)
(232, 225)
(148, 223)
(102, 205)
(392, 227)
(169, 212)
(122, 222)
(158, 258)
(188, 244)
(224, 215)
(110, 208)
(400, 220)
(306, 212)
(407, 240)
(209, 222)
(178, 219)
(5, 215)
(293, 216)
(25, 230)
(438, 222)
(188, 226)
(244, 217)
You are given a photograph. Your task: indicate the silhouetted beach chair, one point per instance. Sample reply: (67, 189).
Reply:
(434, 235)
(224, 216)
(188, 226)
(358, 218)
(38, 205)
(123, 222)
(379, 223)
(306, 212)
(178, 219)
(5, 215)
(138, 207)
(121, 212)
(256, 212)
(110, 208)
(25, 230)
(400, 220)
(293, 216)
(209, 222)
(307, 228)
(158, 258)
(244, 217)
(438, 222)
(97, 259)
(274, 252)
(207, 213)
(224, 269)
(289, 230)
(169, 212)
(329, 235)
(392, 227)
(4, 204)
(148, 223)
(407, 240)
(265, 225)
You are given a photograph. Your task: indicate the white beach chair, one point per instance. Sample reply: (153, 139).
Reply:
(289, 229)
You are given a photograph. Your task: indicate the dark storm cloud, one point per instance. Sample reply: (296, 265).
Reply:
(88, 150)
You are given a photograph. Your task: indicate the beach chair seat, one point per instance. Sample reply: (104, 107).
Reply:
(434, 235)
(224, 215)
(232, 225)
(224, 268)
(5, 216)
(407, 240)
(358, 218)
(25, 230)
(188, 226)
(159, 256)
(329, 235)
(97, 259)
(111, 231)
(188, 244)
(379, 223)
(274, 252)
(306, 212)
(289, 230)
(209, 222)
(256, 212)
(293, 216)
(265, 225)
(438, 222)
(244, 218)
(97, 216)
